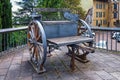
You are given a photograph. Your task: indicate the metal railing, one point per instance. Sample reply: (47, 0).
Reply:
(12, 37)
(107, 38)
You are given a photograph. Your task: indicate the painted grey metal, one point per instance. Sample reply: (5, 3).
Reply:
(12, 29)
(105, 29)
(70, 16)
(44, 41)
(51, 9)
(8, 35)
(107, 39)
(59, 29)
(87, 27)
(112, 45)
(55, 29)
(116, 45)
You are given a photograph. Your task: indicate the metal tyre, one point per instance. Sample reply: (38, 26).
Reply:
(37, 45)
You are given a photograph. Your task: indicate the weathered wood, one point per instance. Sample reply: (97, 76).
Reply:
(86, 48)
(57, 22)
(59, 33)
(69, 40)
(36, 69)
(51, 9)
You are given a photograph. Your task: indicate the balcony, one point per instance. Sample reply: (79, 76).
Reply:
(14, 56)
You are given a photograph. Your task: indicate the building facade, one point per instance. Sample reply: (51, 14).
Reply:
(106, 13)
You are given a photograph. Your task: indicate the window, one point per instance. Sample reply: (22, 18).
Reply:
(115, 15)
(100, 6)
(104, 21)
(96, 22)
(100, 14)
(97, 6)
(104, 6)
(114, 23)
(96, 14)
(115, 6)
(101, 22)
(103, 14)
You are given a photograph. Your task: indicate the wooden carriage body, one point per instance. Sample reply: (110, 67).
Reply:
(44, 35)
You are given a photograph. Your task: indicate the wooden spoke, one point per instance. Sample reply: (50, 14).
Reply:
(81, 30)
(84, 29)
(36, 46)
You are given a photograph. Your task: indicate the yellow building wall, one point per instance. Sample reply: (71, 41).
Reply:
(112, 20)
(100, 10)
(109, 16)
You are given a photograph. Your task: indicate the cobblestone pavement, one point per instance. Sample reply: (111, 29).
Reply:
(102, 66)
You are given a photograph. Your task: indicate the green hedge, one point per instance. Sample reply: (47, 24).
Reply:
(5, 21)
(0, 14)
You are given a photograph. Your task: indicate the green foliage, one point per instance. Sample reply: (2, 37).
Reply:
(49, 3)
(28, 5)
(17, 38)
(12, 39)
(23, 15)
(6, 14)
(0, 25)
(73, 5)
(5, 21)
(24, 20)
(70, 3)
(0, 15)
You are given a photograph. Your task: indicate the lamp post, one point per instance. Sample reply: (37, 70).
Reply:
(33, 10)
(119, 13)
(35, 15)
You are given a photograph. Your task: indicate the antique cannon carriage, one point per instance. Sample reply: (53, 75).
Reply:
(43, 36)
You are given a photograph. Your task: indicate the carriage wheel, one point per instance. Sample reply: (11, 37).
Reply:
(84, 29)
(37, 45)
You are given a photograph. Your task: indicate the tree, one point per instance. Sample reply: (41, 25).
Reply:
(49, 3)
(5, 20)
(0, 25)
(6, 14)
(27, 7)
(74, 6)
(25, 12)
(0, 15)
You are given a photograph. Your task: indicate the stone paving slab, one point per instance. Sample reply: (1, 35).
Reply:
(102, 66)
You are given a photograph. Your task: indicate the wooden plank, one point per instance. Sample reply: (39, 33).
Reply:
(69, 40)
(85, 48)
(51, 9)
(36, 69)
(57, 22)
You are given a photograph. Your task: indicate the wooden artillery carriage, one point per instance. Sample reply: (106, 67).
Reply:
(45, 35)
